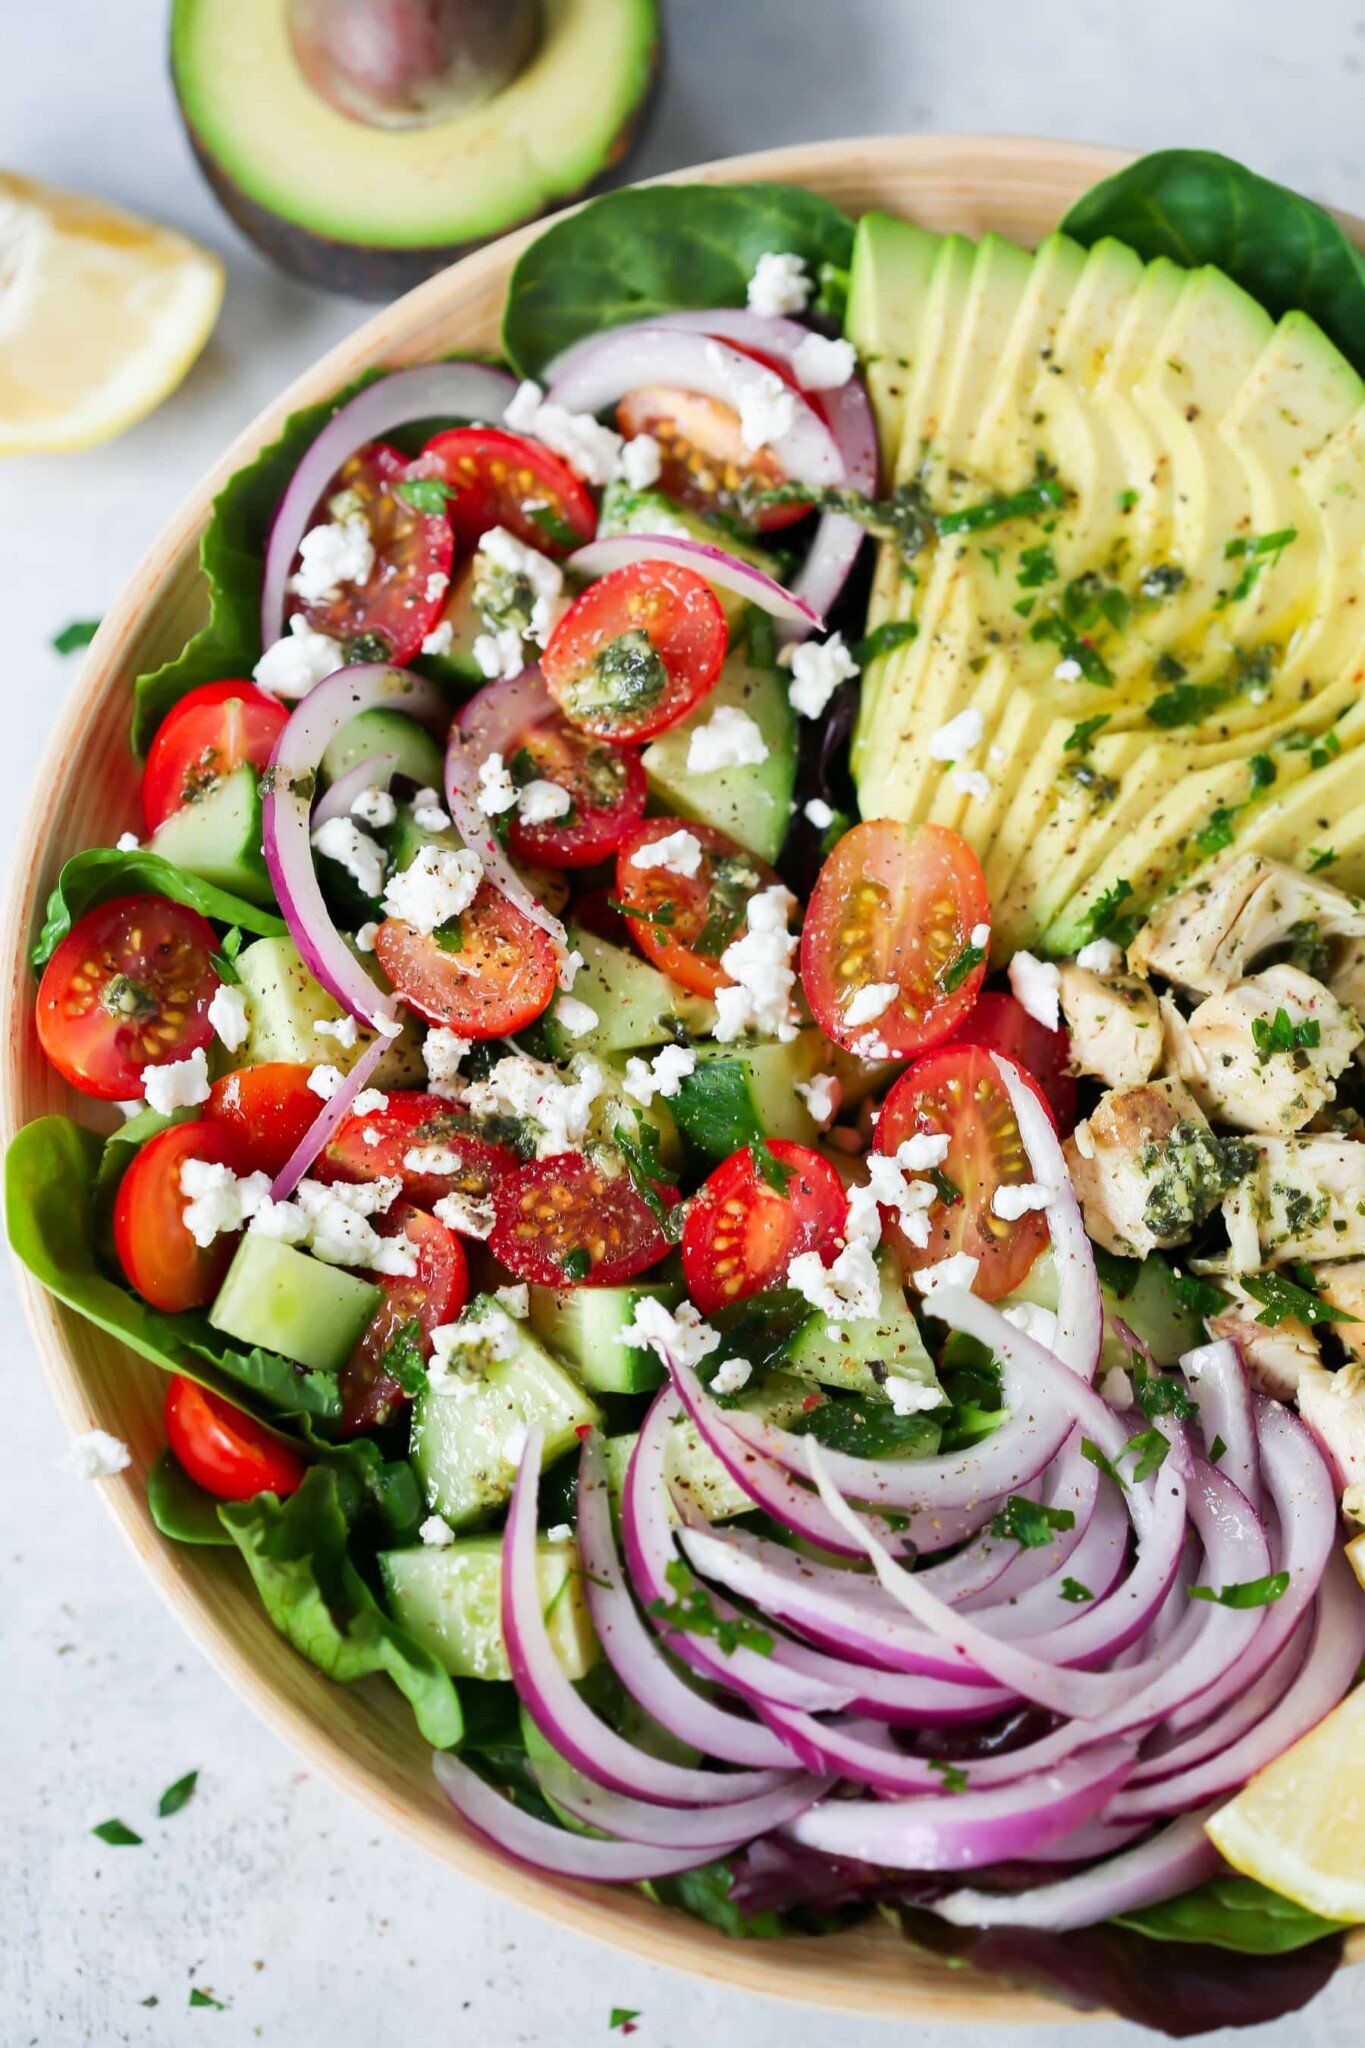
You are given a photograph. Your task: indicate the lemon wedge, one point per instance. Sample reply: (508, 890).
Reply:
(101, 315)
(1299, 1825)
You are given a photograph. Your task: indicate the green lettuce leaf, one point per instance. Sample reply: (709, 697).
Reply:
(660, 249)
(296, 1551)
(181, 1510)
(102, 872)
(1231, 1912)
(1197, 207)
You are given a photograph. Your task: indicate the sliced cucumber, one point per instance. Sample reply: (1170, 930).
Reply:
(284, 1004)
(584, 1326)
(385, 732)
(754, 804)
(845, 1354)
(450, 1600)
(636, 1005)
(627, 511)
(456, 667)
(218, 837)
(283, 1300)
(466, 1443)
(407, 838)
(740, 1092)
(692, 1467)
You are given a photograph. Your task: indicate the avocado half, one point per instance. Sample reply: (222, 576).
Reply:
(370, 210)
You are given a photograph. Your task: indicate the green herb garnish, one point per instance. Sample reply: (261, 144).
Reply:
(78, 634)
(769, 1167)
(425, 494)
(1030, 1523)
(956, 972)
(665, 914)
(1073, 1590)
(1282, 1298)
(117, 1834)
(1280, 1035)
(1248, 1593)
(884, 639)
(576, 1264)
(694, 1613)
(953, 1776)
(177, 1795)
(403, 1359)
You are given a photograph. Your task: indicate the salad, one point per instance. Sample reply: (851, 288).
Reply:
(742, 1087)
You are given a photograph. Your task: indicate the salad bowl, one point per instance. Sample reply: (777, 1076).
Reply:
(361, 1736)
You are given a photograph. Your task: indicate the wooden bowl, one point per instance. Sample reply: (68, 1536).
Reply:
(362, 1736)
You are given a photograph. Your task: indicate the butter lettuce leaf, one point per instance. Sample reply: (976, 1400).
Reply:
(102, 872)
(1234, 1913)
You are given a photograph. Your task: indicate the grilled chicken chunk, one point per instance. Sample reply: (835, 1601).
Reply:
(1304, 1198)
(1265, 1054)
(1210, 934)
(1147, 1168)
(1333, 1406)
(1114, 1023)
(1343, 1286)
(1274, 1356)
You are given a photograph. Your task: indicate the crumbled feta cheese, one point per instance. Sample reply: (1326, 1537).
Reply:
(663, 1075)
(641, 462)
(729, 739)
(887, 1186)
(870, 1048)
(179, 1084)
(371, 1136)
(819, 813)
(558, 1106)
(128, 1110)
(757, 999)
(779, 285)
(540, 802)
(502, 551)
(821, 365)
(516, 1301)
(484, 1335)
(923, 1150)
(958, 1270)
(217, 1200)
(1116, 1387)
(981, 937)
(128, 842)
(496, 791)
(576, 1017)
(867, 1003)
(436, 586)
(228, 1015)
(678, 853)
(972, 782)
(1101, 956)
(958, 736)
(850, 1289)
(363, 858)
(822, 1095)
(586, 445)
(291, 665)
(817, 669)
(375, 807)
(523, 406)
(324, 1081)
(911, 1397)
(766, 407)
(440, 639)
(467, 1215)
(500, 655)
(439, 884)
(442, 1051)
(1037, 986)
(1035, 1321)
(514, 1444)
(96, 1455)
(1013, 1199)
(682, 1338)
(731, 1376)
(387, 1026)
(428, 813)
(341, 552)
(370, 1102)
(562, 1532)
(1068, 671)
(340, 1232)
(436, 1533)
(566, 974)
(344, 1030)
(364, 938)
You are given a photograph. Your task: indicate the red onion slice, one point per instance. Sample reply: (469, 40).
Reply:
(619, 550)
(496, 716)
(1173, 1861)
(1217, 1379)
(325, 1122)
(1080, 1307)
(447, 391)
(562, 1716)
(967, 1830)
(375, 772)
(466, 752)
(287, 823)
(535, 1842)
(703, 1829)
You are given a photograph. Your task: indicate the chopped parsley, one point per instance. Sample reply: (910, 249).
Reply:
(553, 525)
(956, 972)
(665, 914)
(1246, 1593)
(1258, 551)
(1092, 1453)
(403, 1360)
(1073, 1590)
(1282, 1298)
(769, 1167)
(78, 634)
(646, 1168)
(1078, 740)
(1201, 1297)
(1319, 858)
(1217, 834)
(624, 2018)
(425, 494)
(1282, 1036)
(953, 1776)
(884, 639)
(1159, 1395)
(1327, 749)
(1263, 771)
(1106, 918)
(1127, 500)
(1149, 1447)
(1037, 566)
(576, 1264)
(177, 1795)
(1217, 1450)
(694, 1613)
(1045, 494)
(200, 2000)
(1029, 1522)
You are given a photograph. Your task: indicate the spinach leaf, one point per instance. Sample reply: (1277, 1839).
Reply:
(1231, 1912)
(1196, 207)
(296, 1551)
(659, 249)
(181, 1510)
(101, 872)
(705, 1893)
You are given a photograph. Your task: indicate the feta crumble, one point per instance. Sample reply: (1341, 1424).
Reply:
(682, 1338)
(1037, 987)
(440, 639)
(178, 1084)
(516, 1300)
(128, 842)
(679, 853)
(291, 665)
(375, 807)
(344, 1030)
(333, 1223)
(1068, 671)
(340, 552)
(662, 1075)
(779, 286)
(972, 782)
(731, 1376)
(817, 669)
(438, 885)
(496, 791)
(436, 586)
(365, 937)
(1035, 1321)
(958, 735)
(586, 445)
(1101, 956)
(981, 937)
(729, 739)
(766, 407)
(1116, 1388)
(757, 999)
(911, 1397)
(821, 365)
(819, 813)
(540, 802)
(436, 1533)
(849, 1289)
(363, 858)
(1013, 1199)
(822, 1095)
(501, 655)
(866, 1004)
(429, 812)
(95, 1455)
(958, 1270)
(559, 1108)
(325, 1080)
(217, 1200)
(227, 1014)
(641, 462)
(576, 1017)
(370, 1102)
(467, 1215)
(442, 1051)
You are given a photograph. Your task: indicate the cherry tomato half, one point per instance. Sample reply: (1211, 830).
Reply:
(400, 601)
(500, 479)
(742, 1234)
(433, 1295)
(895, 904)
(636, 651)
(706, 462)
(211, 731)
(1002, 1024)
(372, 1146)
(607, 785)
(562, 1221)
(129, 987)
(683, 923)
(228, 1453)
(491, 974)
(267, 1108)
(958, 1093)
(158, 1256)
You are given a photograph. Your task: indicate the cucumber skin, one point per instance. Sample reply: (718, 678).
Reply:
(448, 1598)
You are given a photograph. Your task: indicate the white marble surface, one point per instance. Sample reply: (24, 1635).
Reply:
(270, 1888)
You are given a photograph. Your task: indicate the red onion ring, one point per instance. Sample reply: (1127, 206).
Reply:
(703, 1829)
(1080, 1307)
(1171, 1862)
(619, 550)
(325, 1122)
(452, 391)
(1217, 1379)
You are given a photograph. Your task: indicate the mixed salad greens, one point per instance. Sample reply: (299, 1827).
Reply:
(794, 1386)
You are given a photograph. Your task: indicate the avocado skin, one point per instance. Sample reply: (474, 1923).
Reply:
(361, 270)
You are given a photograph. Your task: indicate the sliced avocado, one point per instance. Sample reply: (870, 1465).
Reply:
(752, 804)
(891, 268)
(449, 1598)
(284, 1006)
(372, 209)
(218, 836)
(283, 1300)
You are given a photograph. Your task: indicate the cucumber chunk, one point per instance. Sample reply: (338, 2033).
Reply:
(845, 1355)
(218, 837)
(450, 1600)
(385, 732)
(737, 1093)
(466, 1444)
(752, 804)
(636, 1005)
(284, 1004)
(456, 668)
(585, 1326)
(627, 511)
(281, 1299)
(693, 1468)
